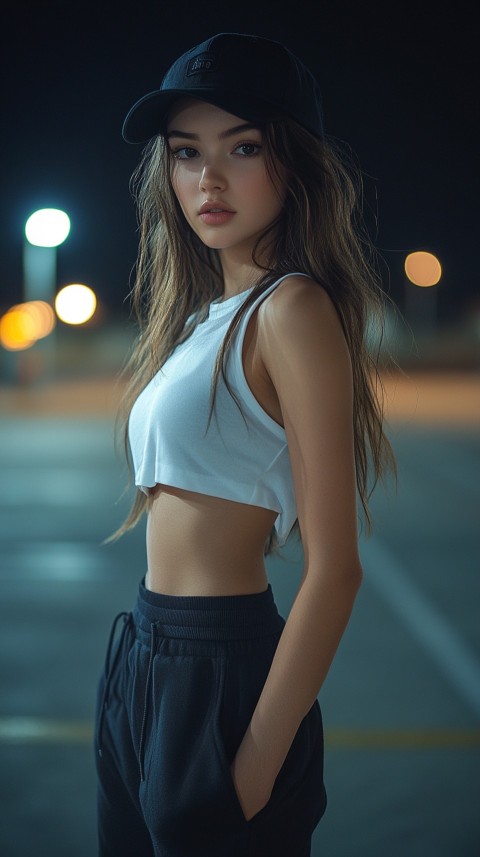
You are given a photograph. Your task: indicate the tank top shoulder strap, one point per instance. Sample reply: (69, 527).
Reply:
(256, 303)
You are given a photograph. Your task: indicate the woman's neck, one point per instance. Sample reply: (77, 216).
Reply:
(238, 275)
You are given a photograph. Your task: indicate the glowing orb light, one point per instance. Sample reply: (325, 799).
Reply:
(17, 329)
(47, 227)
(23, 324)
(423, 269)
(42, 316)
(75, 304)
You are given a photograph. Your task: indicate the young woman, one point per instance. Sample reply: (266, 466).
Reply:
(251, 410)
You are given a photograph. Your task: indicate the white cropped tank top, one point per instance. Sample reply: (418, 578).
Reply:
(241, 455)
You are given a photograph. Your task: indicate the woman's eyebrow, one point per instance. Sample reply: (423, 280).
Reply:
(230, 132)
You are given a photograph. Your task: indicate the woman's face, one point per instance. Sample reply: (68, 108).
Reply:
(220, 178)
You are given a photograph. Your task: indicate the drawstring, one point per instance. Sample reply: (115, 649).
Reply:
(109, 669)
(146, 701)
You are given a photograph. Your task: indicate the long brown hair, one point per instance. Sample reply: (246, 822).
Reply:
(320, 232)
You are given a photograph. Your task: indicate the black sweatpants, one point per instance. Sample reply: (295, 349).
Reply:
(180, 687)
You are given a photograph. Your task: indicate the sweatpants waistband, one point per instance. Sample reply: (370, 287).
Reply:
(205, 617)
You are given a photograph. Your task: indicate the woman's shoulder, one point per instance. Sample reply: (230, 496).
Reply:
(298, 303)
(301, 340)
(294, 284)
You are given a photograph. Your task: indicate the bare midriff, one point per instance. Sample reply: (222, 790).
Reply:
(202, 545)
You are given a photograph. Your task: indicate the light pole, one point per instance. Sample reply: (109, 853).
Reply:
(45, 230)
(423, 270)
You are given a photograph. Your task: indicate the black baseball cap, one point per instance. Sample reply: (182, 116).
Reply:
(254, 78)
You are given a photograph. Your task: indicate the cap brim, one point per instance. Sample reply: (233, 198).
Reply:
(148, 117)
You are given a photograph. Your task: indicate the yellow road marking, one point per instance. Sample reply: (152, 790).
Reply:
(39, 730)
(401, 739)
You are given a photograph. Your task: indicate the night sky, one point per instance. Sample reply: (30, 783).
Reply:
(398, 83)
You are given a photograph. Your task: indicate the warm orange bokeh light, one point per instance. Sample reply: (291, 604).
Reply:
(17, 330)
(23, 324)
(42, 315)
(423, 269)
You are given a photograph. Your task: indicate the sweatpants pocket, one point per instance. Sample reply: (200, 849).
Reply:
(224, 756)
(283, 828)
(298, 798)
(240, 681)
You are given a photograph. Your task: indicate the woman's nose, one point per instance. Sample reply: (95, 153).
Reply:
(211, 179)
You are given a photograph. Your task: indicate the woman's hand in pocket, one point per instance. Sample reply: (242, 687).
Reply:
(252, 786)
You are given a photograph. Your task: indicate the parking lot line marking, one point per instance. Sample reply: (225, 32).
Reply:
(450, 652)
(401, 739)
(42, 730)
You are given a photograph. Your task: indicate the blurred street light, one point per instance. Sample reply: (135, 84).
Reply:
(47, 227)
(45, 230)
(75, 304)
(42, 316)
(423, 271)
(24, 324)
(17, 330)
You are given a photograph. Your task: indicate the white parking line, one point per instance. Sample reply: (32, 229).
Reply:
(450, 652)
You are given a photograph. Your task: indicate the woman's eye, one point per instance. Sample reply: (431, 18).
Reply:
(185, 153)
(246, 149)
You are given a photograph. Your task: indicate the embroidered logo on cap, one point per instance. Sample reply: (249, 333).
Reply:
(202, 62)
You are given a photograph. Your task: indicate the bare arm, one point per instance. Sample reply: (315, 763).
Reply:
(304, 352)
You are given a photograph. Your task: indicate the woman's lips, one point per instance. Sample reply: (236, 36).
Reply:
(215, 217)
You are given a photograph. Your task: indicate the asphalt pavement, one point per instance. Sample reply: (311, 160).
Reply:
(401, 704)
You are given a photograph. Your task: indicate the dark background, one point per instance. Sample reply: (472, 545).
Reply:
(399, 85)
